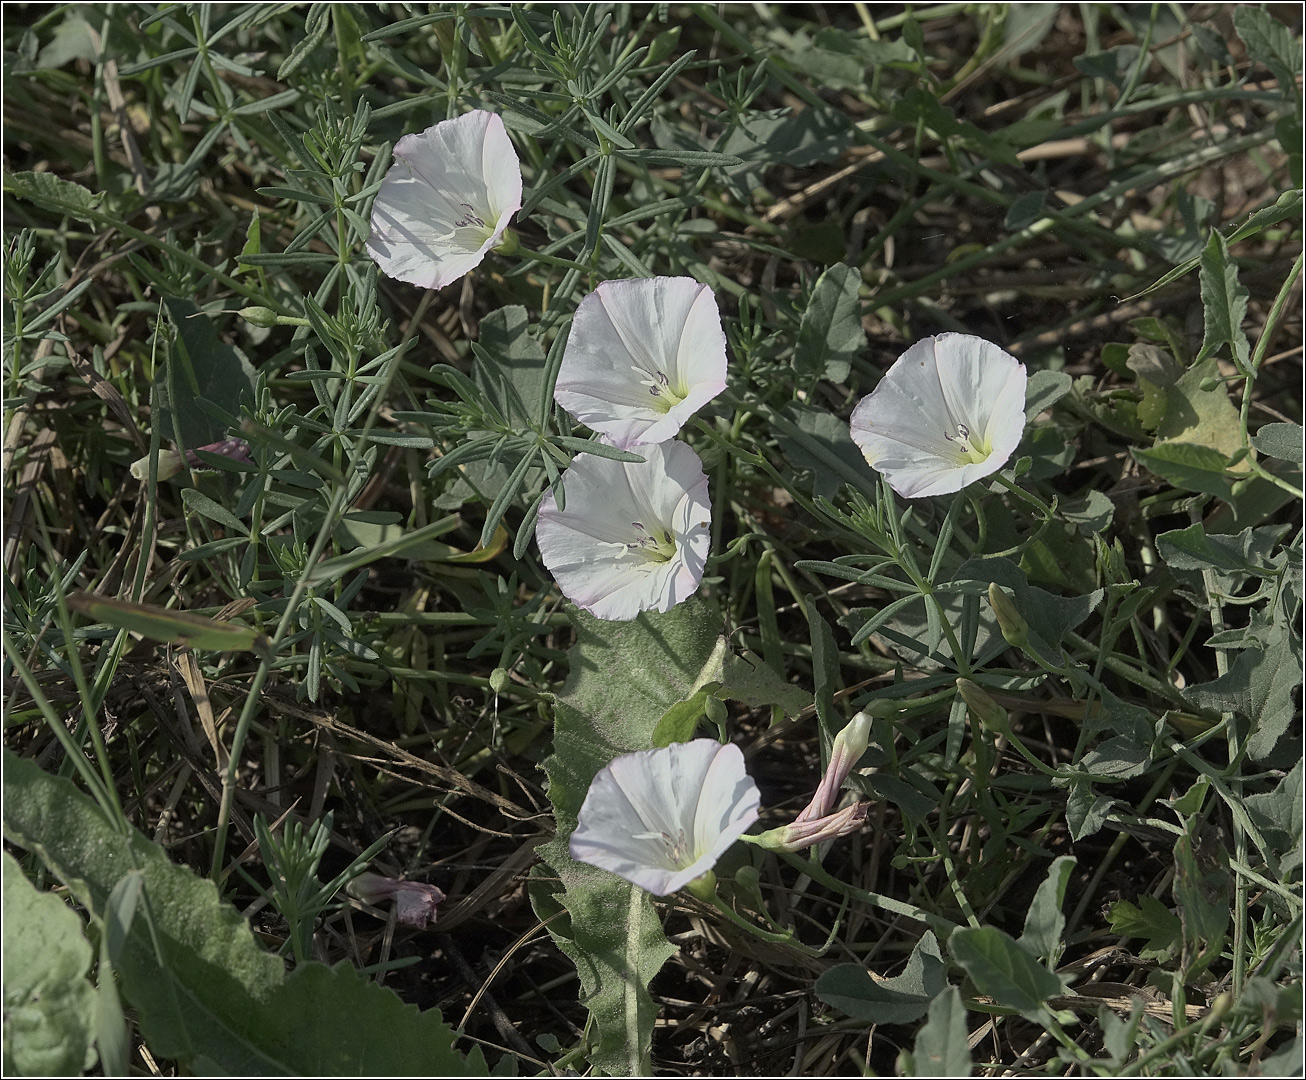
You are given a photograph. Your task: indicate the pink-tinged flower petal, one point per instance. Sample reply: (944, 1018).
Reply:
(446, 200)
(642, 357)
(415, 903)
(661, 818)
(634, 535)
(949, 411)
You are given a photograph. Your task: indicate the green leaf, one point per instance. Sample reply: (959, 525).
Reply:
(942, 1045)
(1117, 759)
(514, 381)
(1279, 441)
(201, 367)
(1193, 549)
(1271, 43)
(204, 990)
(748, 678)
(1091, 514)
(49, 1003)
(1003, 969)
(1086, 811)
(900, 1000)
(1045, 922)
(1189, 467)
(680, 722)
(1224, 302)
(831, 332)
(1044, 389)
(613, 934)
(1201, 417)
(206, 507)
(1151, 921)
(51, 193)
(1259, 687)
(816, 439)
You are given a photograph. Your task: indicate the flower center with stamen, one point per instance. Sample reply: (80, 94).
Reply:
(469, 218)
(972, 450)
(657, 545)
(659, 387)
(677, 848)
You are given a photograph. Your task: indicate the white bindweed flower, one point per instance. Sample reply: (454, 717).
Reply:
(950, 410)
(633, 536)
(642, 357)
(446, 200)
(662, 818)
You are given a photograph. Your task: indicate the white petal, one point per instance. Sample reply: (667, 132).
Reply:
(661, 818)
(611, 503)
(627, 334)
(446, 200)
(907, 427)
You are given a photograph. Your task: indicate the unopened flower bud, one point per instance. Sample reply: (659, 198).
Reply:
(498, 680)
(802, 834)
(262, 317)
(170, 463)
(849, 745)
(987, 711)
(266, 318)
(1015, 630)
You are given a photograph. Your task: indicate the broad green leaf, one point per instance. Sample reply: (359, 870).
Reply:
(1193, 549)
(1091, 514)
(1201, 417)
(748, 678)
(514, 380)
(210, 995)
(49, 1002)
(1258, 686)
(613, 934)
(1045, 922)
(680, 722)
(1086, 811)
(1224, 302)
(1189, 467)
(174, 627)
(1278, 815)
(831, 332)
(1280, 441)
(1116, 759)
(201, 367)
(942, 1045)
(1150, 921)
(51, 193)
(1045, 389)
(816, 439)
(1003, 969)
(1271, 42)
(900, 1000)
(1156, 371)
